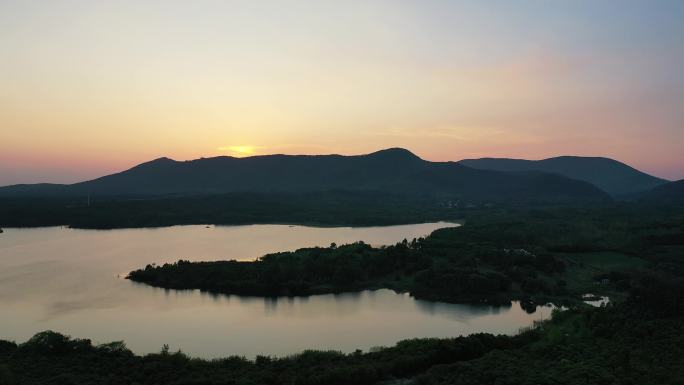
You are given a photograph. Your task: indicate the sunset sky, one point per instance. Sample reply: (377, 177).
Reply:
(93, 87)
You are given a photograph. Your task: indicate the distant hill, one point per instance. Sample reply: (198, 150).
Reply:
(613, 177)
(667, 193)
(393, 170)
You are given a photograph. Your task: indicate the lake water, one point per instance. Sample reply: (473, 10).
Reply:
(71, 281)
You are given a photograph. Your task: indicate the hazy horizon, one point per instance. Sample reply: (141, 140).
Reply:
(92, 88)
(241, 156)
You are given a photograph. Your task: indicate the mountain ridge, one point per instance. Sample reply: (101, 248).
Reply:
(610, 175)
(393, 170)
(667, 193)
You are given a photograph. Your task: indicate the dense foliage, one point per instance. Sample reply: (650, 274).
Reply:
(640, 342)
(63, 360)
(322, 208)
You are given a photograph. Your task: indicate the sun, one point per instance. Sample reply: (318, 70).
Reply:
(239, 151)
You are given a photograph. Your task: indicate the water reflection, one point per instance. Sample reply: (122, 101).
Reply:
(457, 311)
(66, 280)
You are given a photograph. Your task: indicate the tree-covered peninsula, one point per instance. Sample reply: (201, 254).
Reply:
(497, 256)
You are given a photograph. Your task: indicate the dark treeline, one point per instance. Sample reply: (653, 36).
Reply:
(403, 267)
(639, 341)
(316, 208)
(496, 257)
(53, 358)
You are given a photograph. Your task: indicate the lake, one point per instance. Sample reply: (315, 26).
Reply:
(71, 281)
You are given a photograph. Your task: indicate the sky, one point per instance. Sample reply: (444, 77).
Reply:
(93, 87)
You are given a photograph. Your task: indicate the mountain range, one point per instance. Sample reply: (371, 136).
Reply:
(611, 176)
(393, 170)
(668, 192)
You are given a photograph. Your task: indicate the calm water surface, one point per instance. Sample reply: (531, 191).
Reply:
(71, 281)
